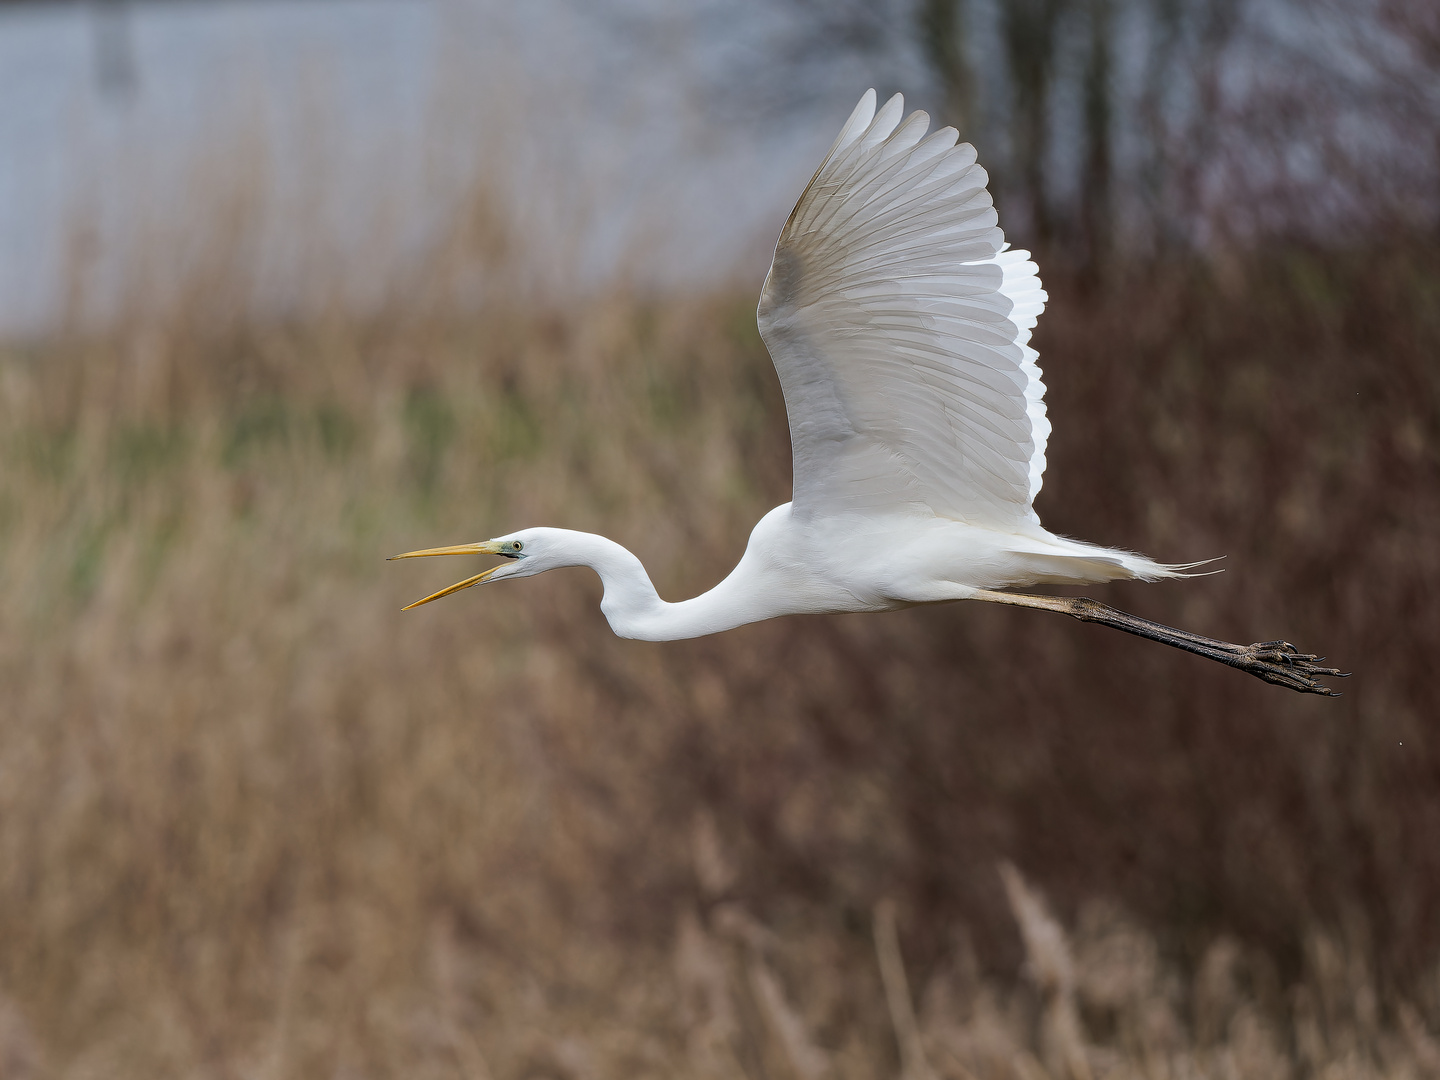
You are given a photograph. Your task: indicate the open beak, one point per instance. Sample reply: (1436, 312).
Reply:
(489, 547)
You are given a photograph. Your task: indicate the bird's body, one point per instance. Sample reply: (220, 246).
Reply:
(794, 565)
(899, 323)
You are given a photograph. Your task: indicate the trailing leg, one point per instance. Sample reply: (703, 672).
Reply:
(1276, 662)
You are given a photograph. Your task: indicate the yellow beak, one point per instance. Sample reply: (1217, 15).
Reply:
(489, 547)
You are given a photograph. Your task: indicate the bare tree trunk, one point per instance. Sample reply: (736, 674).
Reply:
(1200, 142)
(942, 30)
(1154, 174)
(1096, 218)
(1029, 30)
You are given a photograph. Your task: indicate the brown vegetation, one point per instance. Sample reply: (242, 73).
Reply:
(254, 821)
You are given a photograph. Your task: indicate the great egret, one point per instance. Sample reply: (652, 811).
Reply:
(898, 320)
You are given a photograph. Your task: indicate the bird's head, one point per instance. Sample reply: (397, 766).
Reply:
(525, 553)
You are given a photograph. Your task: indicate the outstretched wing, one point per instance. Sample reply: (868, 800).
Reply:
(898, 322)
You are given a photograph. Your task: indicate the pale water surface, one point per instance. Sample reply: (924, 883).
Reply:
(334, 139)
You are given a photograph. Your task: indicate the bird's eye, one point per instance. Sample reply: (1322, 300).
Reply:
(517, 546)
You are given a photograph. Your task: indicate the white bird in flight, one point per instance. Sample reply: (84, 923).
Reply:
(899, 323)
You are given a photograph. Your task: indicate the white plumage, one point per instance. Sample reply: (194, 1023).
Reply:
(899, 323)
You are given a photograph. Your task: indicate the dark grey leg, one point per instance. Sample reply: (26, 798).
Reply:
(1276, 662)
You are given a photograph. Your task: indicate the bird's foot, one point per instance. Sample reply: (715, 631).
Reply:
(1281, 663)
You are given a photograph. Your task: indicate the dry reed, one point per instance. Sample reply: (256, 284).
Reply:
(254, 821)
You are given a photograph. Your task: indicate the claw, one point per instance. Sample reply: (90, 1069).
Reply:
(1282, 663)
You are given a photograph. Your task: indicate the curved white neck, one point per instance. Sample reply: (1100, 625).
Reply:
(635, 610)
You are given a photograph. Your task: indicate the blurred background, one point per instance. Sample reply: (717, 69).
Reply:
(287, 286)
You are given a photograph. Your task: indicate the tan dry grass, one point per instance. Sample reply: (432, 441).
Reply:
(253, 821)
(211, 748)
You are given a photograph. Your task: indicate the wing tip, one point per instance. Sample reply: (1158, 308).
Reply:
(861, 117)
